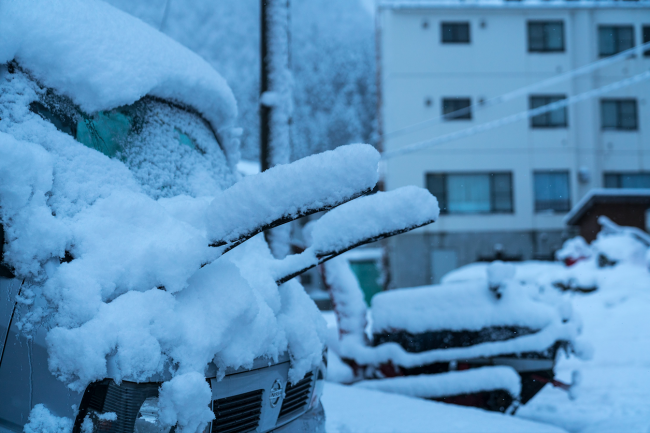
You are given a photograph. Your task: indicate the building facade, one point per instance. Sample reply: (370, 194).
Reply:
(504, 192)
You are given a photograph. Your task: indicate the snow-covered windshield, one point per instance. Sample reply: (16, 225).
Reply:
(170, 149)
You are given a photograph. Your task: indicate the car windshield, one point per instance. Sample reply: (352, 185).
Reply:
(170, 149)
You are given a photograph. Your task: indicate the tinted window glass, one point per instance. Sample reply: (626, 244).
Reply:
(618, 114)
(551, 119)
(545, 36)
(552, 191)
(456, 108)
(455, 33)
(472, 192)
(614, 39)
(627, 180)
(170, 149)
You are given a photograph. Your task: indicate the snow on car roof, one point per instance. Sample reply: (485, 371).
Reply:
(102, 58)
(468, 305)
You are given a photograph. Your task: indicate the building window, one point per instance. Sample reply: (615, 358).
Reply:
(551, 119)
(552, 191)
(455, 33)
(646, 39)
(627, 180)
(545, 36)
(457, 108)
(614, 39)
(468, 193)
(618, 114)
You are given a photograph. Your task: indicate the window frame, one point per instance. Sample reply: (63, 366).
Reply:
(456, 24)
(443, 195)
(454, 99)
(619, 102)
(616, 28)
(545, 44)
(537, 209)
(550, 100)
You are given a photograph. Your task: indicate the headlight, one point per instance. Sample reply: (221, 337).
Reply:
(126, 400)
(148, 420)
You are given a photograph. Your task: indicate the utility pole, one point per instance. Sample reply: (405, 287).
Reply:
(276, 104)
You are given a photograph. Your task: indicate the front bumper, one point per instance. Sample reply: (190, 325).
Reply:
(312, 421)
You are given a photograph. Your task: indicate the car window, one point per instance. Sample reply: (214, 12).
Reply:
(170, 149)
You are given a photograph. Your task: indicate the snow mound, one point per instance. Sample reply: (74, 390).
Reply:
(574, 249)
(41, 420)
(79, 47)
(451, 383)
(286, 191)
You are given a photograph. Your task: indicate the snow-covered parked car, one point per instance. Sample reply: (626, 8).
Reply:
(488, 341)
(137, 293)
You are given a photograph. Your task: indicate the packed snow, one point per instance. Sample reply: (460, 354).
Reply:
(451, 383)
(353, 409)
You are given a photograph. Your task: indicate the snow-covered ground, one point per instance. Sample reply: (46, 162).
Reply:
(353, 409)
(614, 393)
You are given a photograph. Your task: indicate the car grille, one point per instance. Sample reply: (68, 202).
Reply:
(239, 413)
(296, 397)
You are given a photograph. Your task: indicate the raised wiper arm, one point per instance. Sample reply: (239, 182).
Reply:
(287, 192)
(362, 221)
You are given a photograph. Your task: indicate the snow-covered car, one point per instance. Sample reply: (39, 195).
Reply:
(487, 341)
(137, 293)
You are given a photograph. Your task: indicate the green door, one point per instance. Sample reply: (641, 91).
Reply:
(368, 275)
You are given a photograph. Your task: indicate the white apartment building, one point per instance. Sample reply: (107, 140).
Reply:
(504, 192)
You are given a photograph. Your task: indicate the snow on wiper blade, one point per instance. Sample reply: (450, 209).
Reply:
(287, 192)
(359, 222)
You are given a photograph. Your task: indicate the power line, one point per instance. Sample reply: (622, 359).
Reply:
(638, 50)
(518, 116)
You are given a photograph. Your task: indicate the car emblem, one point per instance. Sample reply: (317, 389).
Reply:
(276, 393)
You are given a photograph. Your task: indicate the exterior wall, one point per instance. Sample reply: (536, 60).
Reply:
(624, 214)
(423, 258)
(416, 66)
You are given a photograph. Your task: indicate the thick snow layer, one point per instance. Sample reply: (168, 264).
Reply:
(135, 300)
(451, 383)
(460, 306)
(41, 420)
(347, 297)
(353, 409)
(284, 191)
(103, 58)
(371, 216)
(361, 221)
